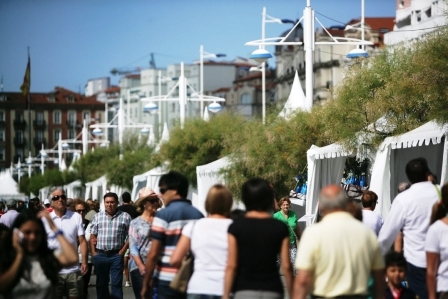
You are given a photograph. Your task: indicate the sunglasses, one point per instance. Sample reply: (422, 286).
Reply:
(153, 201)
(57, 197)
(162, 190)
(80, 211)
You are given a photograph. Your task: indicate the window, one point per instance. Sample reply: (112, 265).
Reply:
(2, 115)
(2, 154)
(57, 117)
(70, 99)
(51, 98)
(2, 135)
(39, 118)
(246, 98)
(19, 136)
(19, 154)
(71, 134)
(86, 116)
(39, 136)
(71, 118)
(19, 116)
(56, 135)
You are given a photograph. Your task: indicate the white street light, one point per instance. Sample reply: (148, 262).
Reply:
(309, 42)
(144, 131)
(97, 132)
(214, 107)
(356, 53)
(203, 55)
(150, 108)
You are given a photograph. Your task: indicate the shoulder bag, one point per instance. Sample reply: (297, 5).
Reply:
(183, 275)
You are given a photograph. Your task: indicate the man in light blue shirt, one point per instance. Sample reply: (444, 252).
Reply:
(9, 217)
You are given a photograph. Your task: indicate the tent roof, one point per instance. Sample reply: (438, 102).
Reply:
(212, 167)
(296, 100)
(76, 183)
(330, 151)
(155, 171)
(8, 186)
(98, 182)
(423, 135)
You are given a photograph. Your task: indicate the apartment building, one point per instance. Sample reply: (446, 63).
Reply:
(60, 111)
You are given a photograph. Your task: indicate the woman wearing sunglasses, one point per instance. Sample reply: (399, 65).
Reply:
(139, 241)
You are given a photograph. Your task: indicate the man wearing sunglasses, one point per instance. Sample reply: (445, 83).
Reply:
(165, 233)
(70, 224)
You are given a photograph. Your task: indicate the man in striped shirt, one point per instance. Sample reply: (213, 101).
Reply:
(166, 230)
(108, 244)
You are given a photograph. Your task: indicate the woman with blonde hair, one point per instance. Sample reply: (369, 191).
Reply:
(207, 240)
(139, 239)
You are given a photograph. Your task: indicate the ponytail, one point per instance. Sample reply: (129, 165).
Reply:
(439, 209)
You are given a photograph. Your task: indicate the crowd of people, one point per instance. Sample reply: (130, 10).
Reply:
(49, 251)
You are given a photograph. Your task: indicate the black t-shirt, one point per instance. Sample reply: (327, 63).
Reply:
(131, 210)
(259, 242)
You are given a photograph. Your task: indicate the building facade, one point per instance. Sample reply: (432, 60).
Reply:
(59, 112)
(94, 86)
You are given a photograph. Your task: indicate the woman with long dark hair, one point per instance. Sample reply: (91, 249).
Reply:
(28, 268)
(254, 241)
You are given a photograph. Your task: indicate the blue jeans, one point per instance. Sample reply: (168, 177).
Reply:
(137, 282)
(416, 278)
(165, 292)
(105, 265)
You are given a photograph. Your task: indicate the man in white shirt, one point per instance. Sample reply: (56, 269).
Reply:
(411, 212)
(369, 217)
(70, 224)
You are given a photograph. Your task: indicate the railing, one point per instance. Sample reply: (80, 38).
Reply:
(19, 142)
(39, 123)
(19, 123)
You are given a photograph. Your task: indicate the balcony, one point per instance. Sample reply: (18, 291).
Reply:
(19, 124)
(38, 142)
(39, 124)
(71, 123)
(19, 142)
(2, 123)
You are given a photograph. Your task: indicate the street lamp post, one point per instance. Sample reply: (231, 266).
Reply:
(261, 55)
(182, 84)
(202, 55)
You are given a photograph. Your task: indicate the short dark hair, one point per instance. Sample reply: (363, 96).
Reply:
(395, 259)
(126, 197)
(257, 195)
(369, 199)
(174, 180)
(111, 194)
(417, 170)
(79, 201)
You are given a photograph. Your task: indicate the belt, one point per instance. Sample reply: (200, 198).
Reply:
(108, 252)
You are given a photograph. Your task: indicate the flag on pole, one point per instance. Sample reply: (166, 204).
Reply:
(26, 79)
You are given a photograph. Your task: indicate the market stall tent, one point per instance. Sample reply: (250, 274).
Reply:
(428, 141)
(148, 179)
(74, 189)
(8, 186)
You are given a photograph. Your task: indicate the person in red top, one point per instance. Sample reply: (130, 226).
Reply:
(395, 275)
(48, 206)
(2, 207)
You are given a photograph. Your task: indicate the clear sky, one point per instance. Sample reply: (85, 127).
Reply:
(72, 41)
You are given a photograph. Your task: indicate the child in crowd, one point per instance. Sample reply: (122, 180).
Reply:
(395, 275)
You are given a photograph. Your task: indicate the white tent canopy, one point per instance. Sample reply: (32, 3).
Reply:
(96, 189)
(325, 166)
(8, 186)
(296, 99)
(74, 189)
(393, 154)
(148, 179)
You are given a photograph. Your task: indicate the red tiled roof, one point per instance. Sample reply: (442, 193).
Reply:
(377, 23)
(133, 76)
(222, 89)
(60, 98)
(112, 89)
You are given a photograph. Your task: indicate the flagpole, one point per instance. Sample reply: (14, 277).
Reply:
(29, 111)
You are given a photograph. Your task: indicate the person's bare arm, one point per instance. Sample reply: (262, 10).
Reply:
(84, 254)
(124, 248)
(432, 265)
(398, 244)
(93, 244)
(286, 265)
(302, 284)
(151, 262)
(232, 259)
(182, 248)
(379, 284)
(9, 276)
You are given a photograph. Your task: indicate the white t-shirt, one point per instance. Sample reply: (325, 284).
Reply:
(71, 225)
(209, 246)
(437, 241)
(372, 220)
